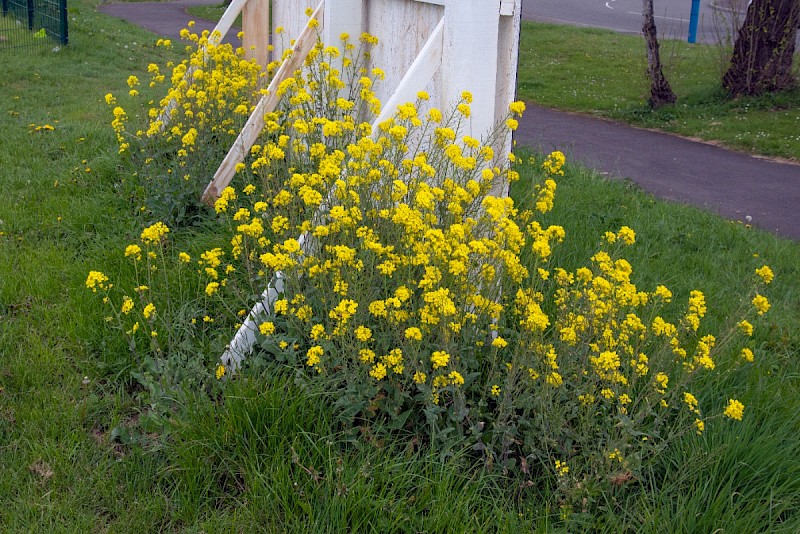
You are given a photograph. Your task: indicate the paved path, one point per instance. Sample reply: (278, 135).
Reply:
(729, 183)
(165, 19)
(732, 184)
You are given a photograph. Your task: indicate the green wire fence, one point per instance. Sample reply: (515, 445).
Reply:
(33, 23)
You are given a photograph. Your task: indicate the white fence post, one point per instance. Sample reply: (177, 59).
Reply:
(469, 58)
(507, 62)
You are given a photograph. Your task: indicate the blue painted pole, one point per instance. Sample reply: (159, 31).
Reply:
(693, 20)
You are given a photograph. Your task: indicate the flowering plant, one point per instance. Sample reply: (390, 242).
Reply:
(423, 304)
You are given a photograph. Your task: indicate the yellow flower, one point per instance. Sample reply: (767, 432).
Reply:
(766, 274)
(221, 204)
(747, 354)
(700, 426)
(499, 342)
(554, 379)
(495, 390)
(413, 333)
(455, 378)
(734, 410)
(153, 234)
(313, 355)
(627, 235)
(317, 331)
(518, 108)
(220, 372)
(691, 401)
(366, 355)
(745, 327)
(363, 333)
(440, 359)
(761, 303)
(420, 377)
(561, 468)
(149, 310)
(95, 280)
(266, 328)
(212, 288)
(664, 293)
(378, 372)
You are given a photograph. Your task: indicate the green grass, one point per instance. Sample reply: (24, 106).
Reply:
(602, 73)
(228, 465)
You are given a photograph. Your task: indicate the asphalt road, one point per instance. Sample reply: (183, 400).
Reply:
(672, 16)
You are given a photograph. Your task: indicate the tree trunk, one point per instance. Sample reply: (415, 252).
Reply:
(660, 91)
(764, 49)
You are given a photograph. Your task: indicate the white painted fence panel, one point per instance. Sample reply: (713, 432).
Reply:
(291, 16)
(442, 46)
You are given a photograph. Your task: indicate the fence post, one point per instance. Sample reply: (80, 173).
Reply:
(469, 59)
(255, 25)
(62, 11)
(507, 61)
(470, 40)
(30, 14)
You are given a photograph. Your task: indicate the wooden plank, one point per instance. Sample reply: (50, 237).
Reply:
(402, 27)
(291, 16)
(255, 25)
(343, 16)
(419, 74)
(247, 137)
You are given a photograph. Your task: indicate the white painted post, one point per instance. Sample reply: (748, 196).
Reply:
(507, 62)
(469, 58)
(469, 62)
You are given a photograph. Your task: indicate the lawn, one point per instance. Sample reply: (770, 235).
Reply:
(266, 456)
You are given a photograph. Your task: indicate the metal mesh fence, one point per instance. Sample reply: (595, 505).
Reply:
(33, 23)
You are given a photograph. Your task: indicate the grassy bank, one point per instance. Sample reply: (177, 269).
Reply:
(265, 456)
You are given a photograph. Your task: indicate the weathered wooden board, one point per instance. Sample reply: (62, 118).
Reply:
(252, 128)
(291, 16)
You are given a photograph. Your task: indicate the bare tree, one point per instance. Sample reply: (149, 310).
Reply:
(660, 90)
(764, 49)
